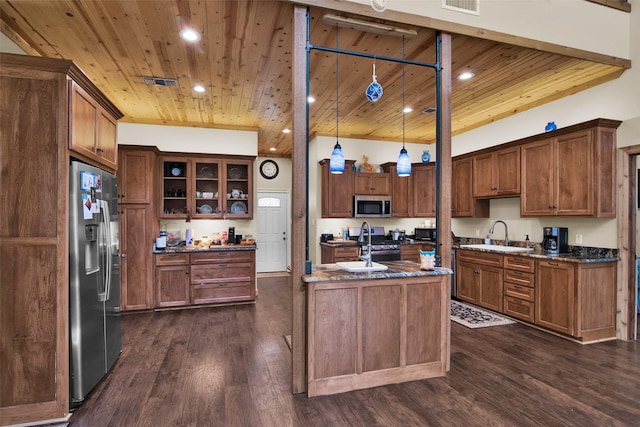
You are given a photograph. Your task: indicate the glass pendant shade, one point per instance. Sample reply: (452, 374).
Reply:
(336, 162)
(403, 166)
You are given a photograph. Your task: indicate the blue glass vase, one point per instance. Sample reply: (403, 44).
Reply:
(426, 156)
(550, 126)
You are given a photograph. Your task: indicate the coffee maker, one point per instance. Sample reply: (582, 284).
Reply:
(231, 236)
(555, 240)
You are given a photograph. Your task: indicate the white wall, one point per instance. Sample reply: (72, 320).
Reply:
(573, 23)
(8, 46)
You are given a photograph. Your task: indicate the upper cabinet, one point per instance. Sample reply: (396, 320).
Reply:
(372, 184)
(571, 174)
(206, 187)
(135, 174)
(401, 206)
(92, 128)
(497, 174)
(423, 178)
(337, 191)
(463, 204)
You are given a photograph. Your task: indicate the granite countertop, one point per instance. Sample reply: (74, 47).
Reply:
(397, 269)
(581, 255)
(340, 243)
(213, 248)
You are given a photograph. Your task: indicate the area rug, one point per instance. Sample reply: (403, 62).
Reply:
(474, 317)
(287, 339)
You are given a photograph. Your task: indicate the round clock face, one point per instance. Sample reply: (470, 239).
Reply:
(269, 169)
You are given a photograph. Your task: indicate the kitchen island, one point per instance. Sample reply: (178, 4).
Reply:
(375, 328)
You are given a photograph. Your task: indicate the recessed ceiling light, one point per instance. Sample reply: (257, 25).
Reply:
(407, 110)
(272, 149)
(199, 88)
(286, 130)
(311, 99)
(190, 35)
(466, 75)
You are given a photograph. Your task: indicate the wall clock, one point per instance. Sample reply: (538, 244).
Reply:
(269, 169)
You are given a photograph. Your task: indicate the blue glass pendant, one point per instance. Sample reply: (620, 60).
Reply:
(336, 162)
(403, 166)
(374, 90)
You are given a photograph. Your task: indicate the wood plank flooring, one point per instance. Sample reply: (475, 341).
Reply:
(230, 366)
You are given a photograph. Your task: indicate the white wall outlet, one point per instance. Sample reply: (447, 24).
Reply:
(578, 239)
(477, 232)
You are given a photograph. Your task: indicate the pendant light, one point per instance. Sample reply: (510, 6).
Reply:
(403, 166)
(336, 162)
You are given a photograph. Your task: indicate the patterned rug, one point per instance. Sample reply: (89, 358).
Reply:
(474, 317)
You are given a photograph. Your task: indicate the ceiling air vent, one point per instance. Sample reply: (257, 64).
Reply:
(160, 81)
(466, 6)
(429, 110)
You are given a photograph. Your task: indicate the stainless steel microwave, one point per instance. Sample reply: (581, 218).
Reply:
(371, 206)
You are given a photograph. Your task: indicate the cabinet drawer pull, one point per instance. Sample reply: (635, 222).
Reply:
(554, 263)
(222, 265)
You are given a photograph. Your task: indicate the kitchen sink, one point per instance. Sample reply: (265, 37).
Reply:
(497, 248)
(360, 266)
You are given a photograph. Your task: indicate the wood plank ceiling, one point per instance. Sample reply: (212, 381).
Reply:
(244, 62)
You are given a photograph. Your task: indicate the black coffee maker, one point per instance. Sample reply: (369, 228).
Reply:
(231, 235)
(555, 240)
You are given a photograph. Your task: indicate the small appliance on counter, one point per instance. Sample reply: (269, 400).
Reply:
(397, 234)
(555, 240)
(425, 234)
(231, 235)
(325, 237)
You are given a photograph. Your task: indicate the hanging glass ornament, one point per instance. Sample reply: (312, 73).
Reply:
(374, 90)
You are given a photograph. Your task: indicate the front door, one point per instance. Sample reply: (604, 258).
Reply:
(273, 240)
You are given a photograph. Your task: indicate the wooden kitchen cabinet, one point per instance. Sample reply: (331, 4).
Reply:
(497, 174)
(479, 278)
(136, 167)
(138, 226)
(571, 174)
(172, 279)
(92, 129)
(519, 287)
(423, 178)
(223, 276)
(372, 184)
(411, 252)
(34, 257)
(463, 204)
(401, 200)
(576, 299)
(206, 187)
(332, 254)
(337, 191)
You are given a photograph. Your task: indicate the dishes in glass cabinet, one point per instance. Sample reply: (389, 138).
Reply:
(239, 208)
(176, 171)
(206, 172)
(235, 173)
(206, 209)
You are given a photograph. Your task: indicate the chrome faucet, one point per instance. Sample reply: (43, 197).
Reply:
(367, 257)
(506, 230)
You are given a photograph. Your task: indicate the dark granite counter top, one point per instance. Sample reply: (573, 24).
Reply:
(576, 256)
(339, 243)
(397, 269)
(213, 248)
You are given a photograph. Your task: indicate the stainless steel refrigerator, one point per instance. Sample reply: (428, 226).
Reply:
(94, 278)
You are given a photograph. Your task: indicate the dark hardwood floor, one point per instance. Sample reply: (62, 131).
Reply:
(230, 366)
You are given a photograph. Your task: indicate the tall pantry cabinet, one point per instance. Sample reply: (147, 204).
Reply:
(36, 123)
(138, 224)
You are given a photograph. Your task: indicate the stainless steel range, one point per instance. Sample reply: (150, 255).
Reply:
(382, 248)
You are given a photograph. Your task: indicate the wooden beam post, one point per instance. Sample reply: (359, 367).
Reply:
(444, 152)
(299, 212)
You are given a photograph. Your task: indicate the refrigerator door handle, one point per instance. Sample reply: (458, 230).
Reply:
(106, 233)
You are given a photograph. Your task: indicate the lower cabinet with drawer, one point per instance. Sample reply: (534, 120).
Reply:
(519, 287)
(332, 254)
(184, 279)
(218, 277)
(480, 278)
(172, 279)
